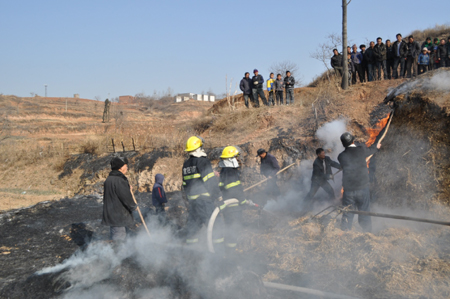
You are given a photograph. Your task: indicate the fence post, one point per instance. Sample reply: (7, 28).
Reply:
(123, 147)
(114, 147)
(134, 147)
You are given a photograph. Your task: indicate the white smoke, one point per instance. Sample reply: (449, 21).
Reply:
(438, 81)
(329, 135)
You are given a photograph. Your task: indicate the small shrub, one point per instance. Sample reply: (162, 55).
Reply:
(90, 147)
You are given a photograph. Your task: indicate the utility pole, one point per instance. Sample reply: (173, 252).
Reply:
(45, 90)
(344, 83)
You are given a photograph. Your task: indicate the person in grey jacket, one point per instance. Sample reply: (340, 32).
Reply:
(118, 202)
(412, 57)
(279, 87)
(289, 83)
(257, 89)
(246, 88)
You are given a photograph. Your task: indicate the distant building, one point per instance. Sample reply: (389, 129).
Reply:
(76, 96)
(126, 99)
(182, 97)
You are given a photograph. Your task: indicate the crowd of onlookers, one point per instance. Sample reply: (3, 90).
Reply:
(394, 60)
(252, 88)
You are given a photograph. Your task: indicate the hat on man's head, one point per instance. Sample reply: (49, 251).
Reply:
(118, 162)
(254, 71)
(260, 151)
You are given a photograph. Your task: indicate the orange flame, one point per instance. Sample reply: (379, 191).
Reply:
(373, 133)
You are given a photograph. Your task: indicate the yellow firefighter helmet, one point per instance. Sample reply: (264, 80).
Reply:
(193, 143)
(229, 152)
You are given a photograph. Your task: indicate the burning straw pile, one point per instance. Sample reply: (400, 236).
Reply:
(413, 167)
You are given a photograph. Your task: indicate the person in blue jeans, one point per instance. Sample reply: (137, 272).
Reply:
(424, 61)
(289, 83)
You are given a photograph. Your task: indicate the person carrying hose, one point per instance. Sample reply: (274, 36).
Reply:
(231, 187)
(201, 189)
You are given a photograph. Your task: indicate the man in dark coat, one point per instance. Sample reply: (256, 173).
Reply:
(370, 59)
(269, 168)
(380, 59)
(357, 59)
(441, 54)
(159, 198)
(289, 83)
(400, 50)
(246, 88)
(390, 56)
(257, 89)
(320, 176)
(118, 202)
(336, 62)
(412, 57)
(355, 181)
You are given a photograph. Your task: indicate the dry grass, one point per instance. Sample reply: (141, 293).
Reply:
(439, 31)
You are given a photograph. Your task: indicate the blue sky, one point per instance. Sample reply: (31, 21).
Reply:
(101, 48)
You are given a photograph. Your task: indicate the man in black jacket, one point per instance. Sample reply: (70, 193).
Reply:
(400, 49)
(201, 188)
(370, 59)
(118, 202)
(412, 57)
(269, 168)
(441, 54)
(355, 181)
(246, 88)
(289, 83)
(257, 89)
(380, 59)
(320, 176)
(336, 63)
(390, 57)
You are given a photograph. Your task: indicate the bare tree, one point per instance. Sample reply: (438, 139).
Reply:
(287, 65)
(344, 84)
(324, 51)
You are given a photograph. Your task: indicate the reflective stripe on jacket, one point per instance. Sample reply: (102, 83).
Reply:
(199, 179)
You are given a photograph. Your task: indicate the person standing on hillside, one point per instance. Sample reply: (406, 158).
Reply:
(269, 168)
(390, 57)
(424, 61)
(106, 111)
(357, 60)
(279, 87)
(257, 89)
(355, 181)
(246, 88)
(159, 198)
(269, 84)
(370, 59)
(336, 63)
(380, 58)
(442, 53)
(411, 57)
(289, 83)
(433, 57)
(364, 70)
(118, 203)
(429, 45)
(201, 188)
(400, 50)
(320, 176)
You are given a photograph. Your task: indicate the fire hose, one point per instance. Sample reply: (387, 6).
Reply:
(305, 290)
(227, 202)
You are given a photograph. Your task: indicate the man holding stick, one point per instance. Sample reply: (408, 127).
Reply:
(355, 181)
(269, 168)
(118, 203)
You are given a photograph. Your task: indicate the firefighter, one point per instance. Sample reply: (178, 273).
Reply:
(201, 189)
(231, 187)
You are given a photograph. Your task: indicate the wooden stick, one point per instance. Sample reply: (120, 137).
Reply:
(140, 215)
(257, 184)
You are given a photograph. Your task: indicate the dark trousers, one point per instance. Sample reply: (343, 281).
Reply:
(246, 98)
(370, 72)
(271, 98)
(358, 70)
(411, 63)
(360, 200)
(315, 185)
(381, 65)
(399, 61)
(272, 189)
(232, 216)
(161, 213)
(443, 62)
(338, 71)
(279, 97)
(199, 212)
(118, 233)
(260, 92)
(423, 68)
(289, 96)
(389, 68)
